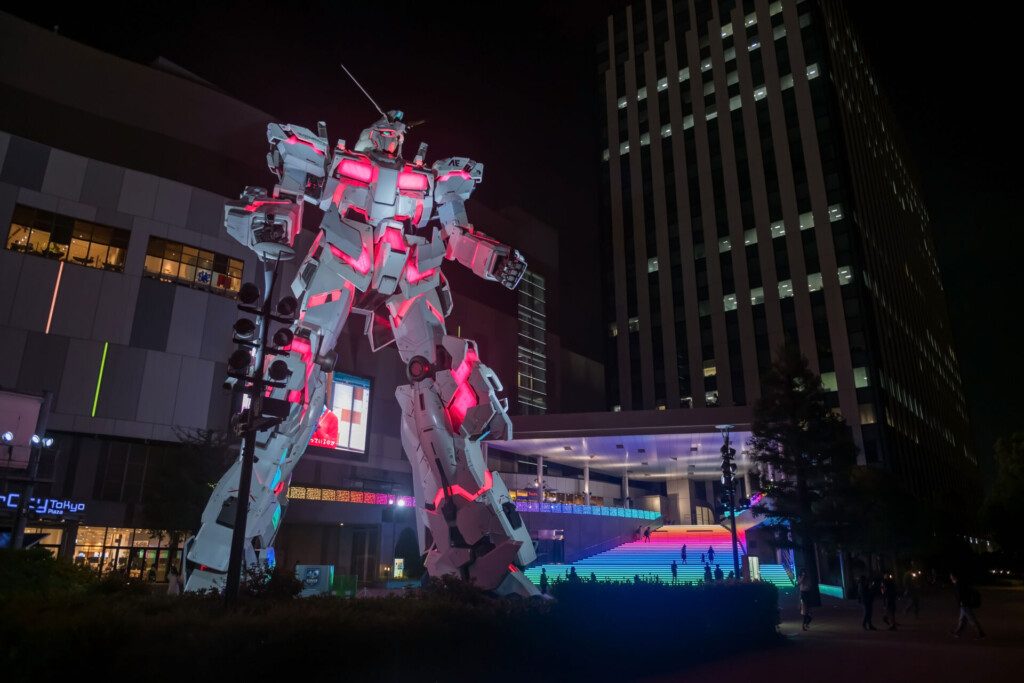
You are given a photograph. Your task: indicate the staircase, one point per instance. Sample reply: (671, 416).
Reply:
(654, 558)
(775, 573)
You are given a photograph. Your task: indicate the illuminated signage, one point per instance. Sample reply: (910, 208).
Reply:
(42, 506)
(343, 424)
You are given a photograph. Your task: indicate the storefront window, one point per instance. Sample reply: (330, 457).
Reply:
(51, 539)
(139, 553)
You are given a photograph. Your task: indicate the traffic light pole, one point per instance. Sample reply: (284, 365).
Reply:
(252, 421)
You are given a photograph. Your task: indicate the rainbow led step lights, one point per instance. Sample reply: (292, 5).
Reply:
(654, 558)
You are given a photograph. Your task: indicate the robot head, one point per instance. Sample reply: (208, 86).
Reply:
(385, 136)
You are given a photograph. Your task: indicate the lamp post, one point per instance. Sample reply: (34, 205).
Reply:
(263, 412)
(38, 441)
(729, 491)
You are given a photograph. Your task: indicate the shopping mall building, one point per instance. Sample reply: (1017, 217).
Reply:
(117, 297)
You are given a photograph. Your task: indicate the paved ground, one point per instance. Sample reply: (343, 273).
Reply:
(837, 650)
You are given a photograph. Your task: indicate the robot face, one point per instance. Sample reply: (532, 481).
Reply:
(387, 140)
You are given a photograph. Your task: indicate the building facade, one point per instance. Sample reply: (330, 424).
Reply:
(758, 193)
(117, 296)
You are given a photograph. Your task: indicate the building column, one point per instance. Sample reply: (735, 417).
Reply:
(586, 483)
(625, 489)
(540, 478)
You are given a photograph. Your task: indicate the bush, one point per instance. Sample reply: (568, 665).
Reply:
(450, 631)
(36, 572)
(274, 584)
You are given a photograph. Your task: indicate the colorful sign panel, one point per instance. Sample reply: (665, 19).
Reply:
(343, 426)
(42, 506)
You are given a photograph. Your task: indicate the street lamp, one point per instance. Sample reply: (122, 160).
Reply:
(729, 491)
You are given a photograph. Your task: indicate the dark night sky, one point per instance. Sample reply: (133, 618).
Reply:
(518, 91)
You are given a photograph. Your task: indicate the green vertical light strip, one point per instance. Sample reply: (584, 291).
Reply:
(99, 379)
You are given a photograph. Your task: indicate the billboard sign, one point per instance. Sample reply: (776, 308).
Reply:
(344, 424)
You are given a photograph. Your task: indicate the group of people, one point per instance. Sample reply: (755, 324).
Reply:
(642, 532)
(710, 555)
(706, 559)
(868, 589)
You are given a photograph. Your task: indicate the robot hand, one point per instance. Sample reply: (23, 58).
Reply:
(509, 269)
(263, 223)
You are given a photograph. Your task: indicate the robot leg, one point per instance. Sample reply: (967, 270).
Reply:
(326, 303)
(448, 409)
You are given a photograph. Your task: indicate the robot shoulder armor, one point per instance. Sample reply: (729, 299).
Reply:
(456, 175)
(290, 134)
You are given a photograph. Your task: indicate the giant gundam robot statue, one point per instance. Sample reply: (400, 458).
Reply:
(387, 227)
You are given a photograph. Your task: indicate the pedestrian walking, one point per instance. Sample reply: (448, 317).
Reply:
(647, 535)
(682, 553)
(889, 601)
(675, 571)
(866, 597)
(969, 599)
(912, 593)
(702, 558)
(707, 573)
(711, 555)
(804, 585)
(174, 582)
(544, 580)
(719, 576)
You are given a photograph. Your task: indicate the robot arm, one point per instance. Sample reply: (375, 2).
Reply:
(489, 259)
(268, 223)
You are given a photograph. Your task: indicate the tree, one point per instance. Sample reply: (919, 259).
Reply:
(178, 489)
(1003, 501)
(806, 452)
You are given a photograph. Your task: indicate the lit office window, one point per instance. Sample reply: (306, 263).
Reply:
(652, 264)
(687, 122)
(622, 103)
(760, 93)
(711, 398)
(835, 213)
(828, 381)
(641, 94)
(757, 296)
(532, 362)
(749, 237)
(729, 54)
(750, 19)
(724, 245)
(814, 282)
(867, 414)
(662, 84)
(860, 378)
(812, 71)
(729, 302)
(613, 329)
(845, 275)
(775, 7)
(727, 30)
(709, 368)
(623, 148)
(666, 130)
(705, 65)
(806, 221)
(684, 73)
(735, 102)
(605, 156)
(63, 238)
(192, 266)
(634, 324)
(778, 229)
(785, 289)
(710, 114)
(645, 139)
(754, 44)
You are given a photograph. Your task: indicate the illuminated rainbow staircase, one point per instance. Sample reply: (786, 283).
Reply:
(654, 559)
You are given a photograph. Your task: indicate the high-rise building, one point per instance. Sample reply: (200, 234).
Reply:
(758, 192)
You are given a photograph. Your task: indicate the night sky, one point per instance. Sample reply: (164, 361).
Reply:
(518, 91)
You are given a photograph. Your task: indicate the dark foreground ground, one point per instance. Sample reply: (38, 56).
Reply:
(837, 650)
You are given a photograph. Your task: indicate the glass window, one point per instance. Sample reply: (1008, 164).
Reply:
(662, 84)
(634, 324)
(814, 282)
(828, 381)
(867, 414)
(785, 289)
(806, 221)
(729, 302)
(778, 229)
(605, 156)
(757, 296)
(860, 377)
(613, 329)
(703, 308)
(622, 103)
(641, 94)
(749, 237)
(652, 265)
(724, 245)
(192, 266)
(812, 71)
(666, 130)
(761, 93)
(684, 74)
(786, 81)
(845, 275)
(623, 148)
(709, 368)
(52, 235)
(645, 138)
(835, 213)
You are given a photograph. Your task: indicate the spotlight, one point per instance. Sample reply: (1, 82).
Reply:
(244, 328)
(36, 440)
(279, 370)
(249, 294)
(239, 360)
(401, 502)
(283, 337)
(47, 441)
(287, 306)
(7, 437)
